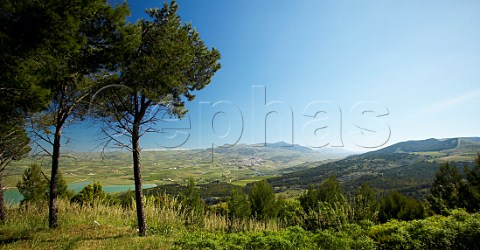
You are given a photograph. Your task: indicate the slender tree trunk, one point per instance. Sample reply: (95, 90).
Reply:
(142, 225)
(52, 211)
(3, 207)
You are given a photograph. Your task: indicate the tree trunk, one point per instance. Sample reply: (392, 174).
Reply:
(142, 227)
(52, 209)
(3, 207)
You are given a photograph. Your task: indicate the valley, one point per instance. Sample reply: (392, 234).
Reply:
(407, 167)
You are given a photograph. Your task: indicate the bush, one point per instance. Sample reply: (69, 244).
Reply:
(291, 213)
(396, 206)
(90, 194)
(460, 230)
(329, 239)
(290, 238)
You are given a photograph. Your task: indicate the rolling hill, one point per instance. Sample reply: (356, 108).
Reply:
(239, 163)
(408, 167)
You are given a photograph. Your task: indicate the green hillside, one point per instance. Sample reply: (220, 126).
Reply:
(408, 167)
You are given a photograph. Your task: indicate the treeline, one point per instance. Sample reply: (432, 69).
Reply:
(320, 207)
(323, 216)
(450, 190)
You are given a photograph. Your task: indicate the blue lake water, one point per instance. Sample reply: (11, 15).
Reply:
(13, 196)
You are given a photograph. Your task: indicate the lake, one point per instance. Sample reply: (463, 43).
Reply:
(13, 196)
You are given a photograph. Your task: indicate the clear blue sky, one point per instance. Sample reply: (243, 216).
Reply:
(418, 59)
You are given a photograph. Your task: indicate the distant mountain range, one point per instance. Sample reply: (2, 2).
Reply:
(428, 145)
(450, 148)
(325, 153)
(408, 167)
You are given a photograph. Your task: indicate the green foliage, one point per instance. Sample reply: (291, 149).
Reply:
(460, 230)
(328, 191)
(193, 205)
(178, 62)
(14, 144)
(213, 191)
(127, 199)
(473, 175)
(23, 30)
(238, 204)
(90, 195)
(291, 238)
(408, 173)
(78, 43)
(329, 239)
(365, 205)
(290, 212)
(62, 188)
(396, 206)
(450, 191)
(163, 63)
(446, 190)
(328, 216)
(238, 209)
(263, 201)
(470, 195)
(26, 229)
(34, 185)
(325, 206)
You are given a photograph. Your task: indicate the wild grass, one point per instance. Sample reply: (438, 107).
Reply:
(114, 227)
(104, 226)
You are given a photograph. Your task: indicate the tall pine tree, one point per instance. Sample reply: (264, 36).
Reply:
(84, 42)
(166, 63)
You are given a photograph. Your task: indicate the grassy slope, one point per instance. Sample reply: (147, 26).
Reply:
(167, 230)
(116, 228)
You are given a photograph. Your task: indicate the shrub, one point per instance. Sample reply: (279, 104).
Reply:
(460, 230)
(90, 194)
(396, 206)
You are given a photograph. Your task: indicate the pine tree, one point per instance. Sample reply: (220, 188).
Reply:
(33, 186)
(21, 33)
(263, 201)
(82, 42)
(238, 204)
(470, 193)
(329, 191)
(445, 192)
(166, 61)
